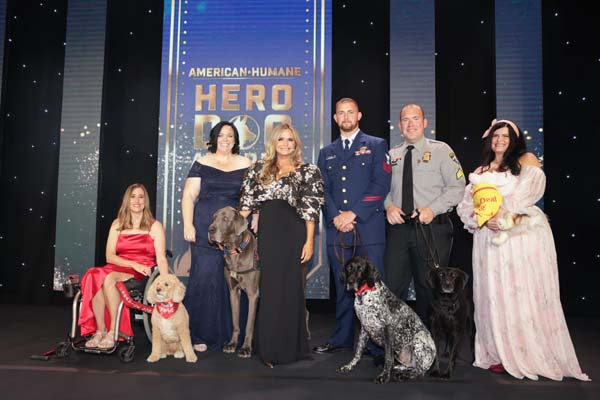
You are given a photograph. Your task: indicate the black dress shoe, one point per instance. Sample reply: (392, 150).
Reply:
(327, 349)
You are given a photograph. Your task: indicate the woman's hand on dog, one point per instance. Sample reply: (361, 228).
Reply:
(189, 233)
(254, 223)
(307, 251)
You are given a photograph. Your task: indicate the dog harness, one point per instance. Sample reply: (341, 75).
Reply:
(363, 288)
(167, 308)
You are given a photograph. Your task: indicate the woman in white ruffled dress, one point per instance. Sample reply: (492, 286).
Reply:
(519, 319)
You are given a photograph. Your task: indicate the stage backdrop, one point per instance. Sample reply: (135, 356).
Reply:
(256, 64)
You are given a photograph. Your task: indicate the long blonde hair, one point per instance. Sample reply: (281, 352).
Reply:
(269, 171)
(124, 215)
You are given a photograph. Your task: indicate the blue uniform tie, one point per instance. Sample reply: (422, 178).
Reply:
(346, 144)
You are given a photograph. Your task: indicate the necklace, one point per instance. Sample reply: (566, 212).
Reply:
(284, 169)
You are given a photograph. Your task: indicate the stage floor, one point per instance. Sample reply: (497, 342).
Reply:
(31, 330)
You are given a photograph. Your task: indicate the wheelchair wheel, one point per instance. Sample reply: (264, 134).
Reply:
(126, 354)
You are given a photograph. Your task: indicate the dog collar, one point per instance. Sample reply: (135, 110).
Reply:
(167, 308)
(363, 288)
(237, 250)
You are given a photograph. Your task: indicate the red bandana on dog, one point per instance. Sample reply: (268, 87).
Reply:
(167, 309)
(363, 288)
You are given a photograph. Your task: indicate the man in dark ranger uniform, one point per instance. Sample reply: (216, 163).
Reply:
(427, 183)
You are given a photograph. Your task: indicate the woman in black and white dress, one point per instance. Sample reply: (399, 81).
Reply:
(288, 194)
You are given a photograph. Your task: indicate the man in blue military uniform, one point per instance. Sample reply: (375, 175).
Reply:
(356, 176)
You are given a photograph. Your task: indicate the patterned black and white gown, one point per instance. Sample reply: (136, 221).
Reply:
(284, 204)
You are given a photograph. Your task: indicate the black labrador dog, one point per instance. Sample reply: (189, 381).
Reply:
(451, 315)
(389, 322)
(229, 230)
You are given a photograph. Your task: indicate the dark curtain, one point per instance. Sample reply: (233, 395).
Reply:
(30, 138)
(571, 72)
(130, 108)
(465, 91)
(360, 62)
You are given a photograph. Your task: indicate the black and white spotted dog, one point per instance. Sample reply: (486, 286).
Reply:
(389, 322)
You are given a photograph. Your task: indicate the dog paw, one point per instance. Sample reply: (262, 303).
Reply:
(382, 378)
(192, 358)
(245, 352)
(229, 348)
(179, 354)
(346, 368)
(153, 358)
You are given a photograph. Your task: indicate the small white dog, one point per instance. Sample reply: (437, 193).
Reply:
(170, 320)
(511, 224)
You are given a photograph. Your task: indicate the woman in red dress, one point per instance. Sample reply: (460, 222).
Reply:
(136, 242)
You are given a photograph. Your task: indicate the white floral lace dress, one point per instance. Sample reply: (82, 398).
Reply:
(518, 315)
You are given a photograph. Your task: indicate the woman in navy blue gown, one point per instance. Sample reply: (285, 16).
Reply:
(213, 182)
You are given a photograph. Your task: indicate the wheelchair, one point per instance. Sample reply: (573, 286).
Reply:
(125, 349)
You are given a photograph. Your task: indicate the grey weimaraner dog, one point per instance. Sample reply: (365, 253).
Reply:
(229, 230)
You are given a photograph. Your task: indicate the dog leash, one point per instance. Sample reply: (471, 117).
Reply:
(129, 301)
(434, 257)
(339, 238)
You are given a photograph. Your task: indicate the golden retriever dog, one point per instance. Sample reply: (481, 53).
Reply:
(170, 320)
